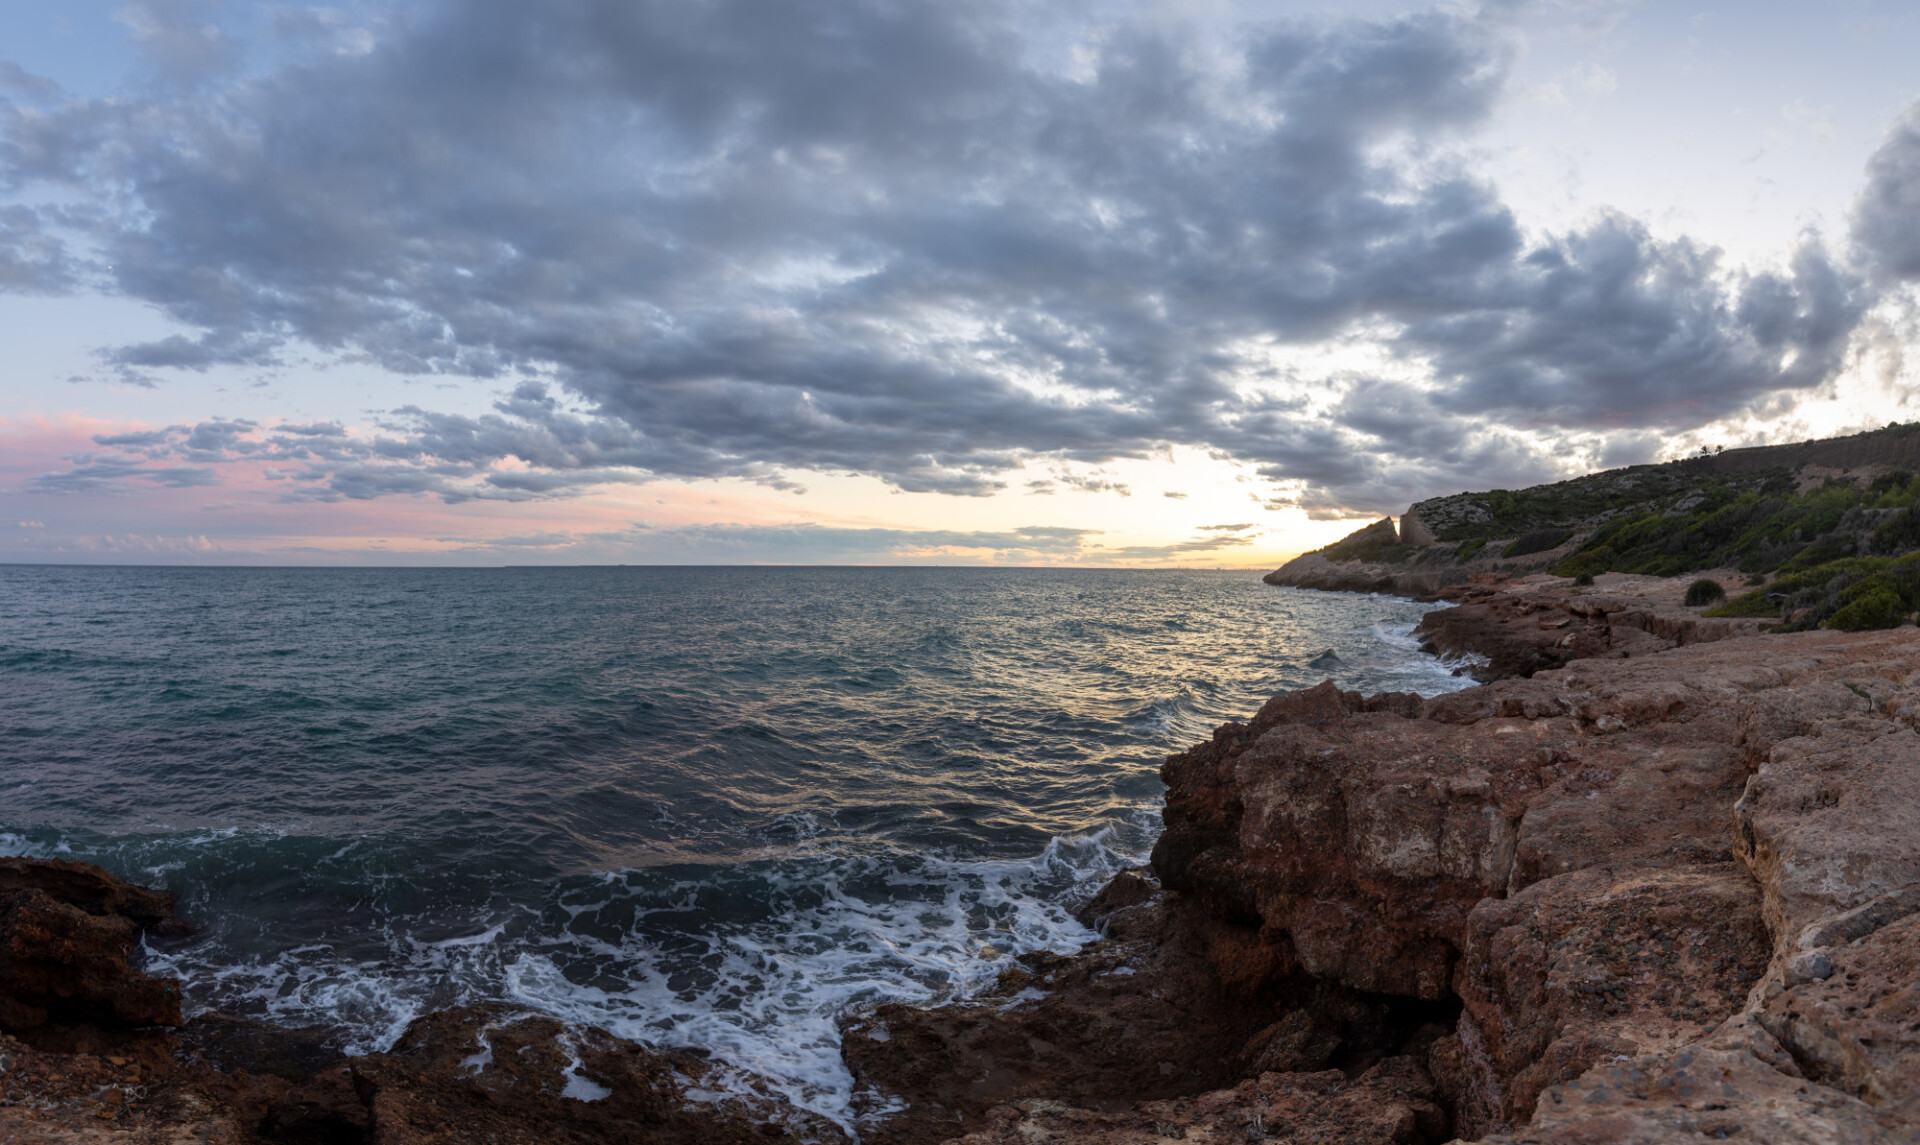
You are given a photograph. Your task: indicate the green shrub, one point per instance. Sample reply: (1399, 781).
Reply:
(1898, 533)
(1703, 592)
(1537, 541)
(1747, 604)
(1877, 609)
(1583, 579)
(1466, 552)
(1591, 563)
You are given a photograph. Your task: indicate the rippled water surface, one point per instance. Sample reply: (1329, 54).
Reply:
(706, 806)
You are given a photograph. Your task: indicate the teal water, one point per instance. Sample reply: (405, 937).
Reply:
(697, 806)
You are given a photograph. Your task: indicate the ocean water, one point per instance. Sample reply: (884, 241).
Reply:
(714, 807)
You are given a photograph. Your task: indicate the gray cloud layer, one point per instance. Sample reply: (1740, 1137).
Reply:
(1886, 224)
(922, 241)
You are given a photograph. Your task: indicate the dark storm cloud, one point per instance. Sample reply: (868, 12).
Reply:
(1886, 219)
(928, 242)
(1611, 329)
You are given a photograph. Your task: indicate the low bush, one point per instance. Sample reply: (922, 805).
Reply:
(1590, 563)
(1537, 541)
(1748, 604)
(1880, 608)
(1704, 592)
(1898, 533)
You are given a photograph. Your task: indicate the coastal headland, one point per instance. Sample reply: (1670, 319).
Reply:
(1657, 879)
(1793, 519)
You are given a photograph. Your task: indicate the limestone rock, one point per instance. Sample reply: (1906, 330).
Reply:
(1737, 1085)
(1583, 967)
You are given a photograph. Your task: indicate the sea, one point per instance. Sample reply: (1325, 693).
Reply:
(708, 807)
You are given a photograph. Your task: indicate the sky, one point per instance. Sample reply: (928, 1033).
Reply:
(1080, 282)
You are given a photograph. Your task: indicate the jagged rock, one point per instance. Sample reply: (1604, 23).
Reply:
(1414, 531)
(1832, 820)
(1560, 853)
(130, 1097)
(1175, 1004)
(1855, 1025)
(68, 934)
(1516, 627)
(1389, 1104)
(1311, 570)
(1162, 1009)
(506, 1077)
(1580, 968)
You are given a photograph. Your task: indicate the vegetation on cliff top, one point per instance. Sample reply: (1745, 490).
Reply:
(1823, 546)
(1765, 530)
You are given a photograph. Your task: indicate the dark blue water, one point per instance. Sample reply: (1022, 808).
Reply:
(711, 806)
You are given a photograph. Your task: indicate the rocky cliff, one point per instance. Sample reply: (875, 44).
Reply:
(1816, 517)
(1667, 891)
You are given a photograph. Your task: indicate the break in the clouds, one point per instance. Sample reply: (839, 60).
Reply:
(931, 243)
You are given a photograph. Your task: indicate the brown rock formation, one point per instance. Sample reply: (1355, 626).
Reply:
(1173, 1003)
(1389, 1104)
(1519, 626)
(506, 1077)
(95, 1058)
(68, 932)
(1558, 853)
(1580, 968)
(1671, 890)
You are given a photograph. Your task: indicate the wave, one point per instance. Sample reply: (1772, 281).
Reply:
(868, 791)
(755, 962)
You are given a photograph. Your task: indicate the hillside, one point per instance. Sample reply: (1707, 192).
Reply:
(1828, 532)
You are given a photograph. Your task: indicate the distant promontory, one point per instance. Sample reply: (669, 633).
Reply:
(1826, 533)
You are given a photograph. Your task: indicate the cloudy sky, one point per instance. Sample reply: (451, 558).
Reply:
(484, 281)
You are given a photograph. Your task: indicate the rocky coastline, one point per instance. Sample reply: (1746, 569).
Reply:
(1656, 879)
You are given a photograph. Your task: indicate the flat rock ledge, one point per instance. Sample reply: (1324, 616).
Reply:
(1636, 890)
